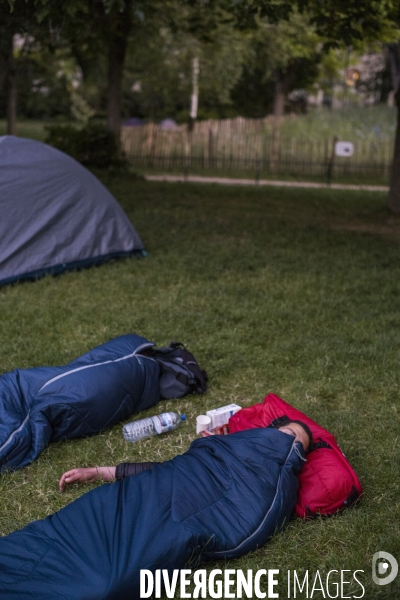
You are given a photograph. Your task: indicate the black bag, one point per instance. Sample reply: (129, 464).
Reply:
(180, 373)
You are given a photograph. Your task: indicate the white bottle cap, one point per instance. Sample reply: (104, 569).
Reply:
(202, 423)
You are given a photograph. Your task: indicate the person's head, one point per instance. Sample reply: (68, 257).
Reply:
(299, 430)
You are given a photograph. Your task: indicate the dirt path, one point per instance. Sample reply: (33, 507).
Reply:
(232, 181)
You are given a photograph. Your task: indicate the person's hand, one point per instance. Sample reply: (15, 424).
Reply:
(86, 475)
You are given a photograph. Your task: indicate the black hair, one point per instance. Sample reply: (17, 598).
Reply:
(307, 430)
(284, 420)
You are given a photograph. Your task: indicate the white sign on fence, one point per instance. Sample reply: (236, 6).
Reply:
(344, 149)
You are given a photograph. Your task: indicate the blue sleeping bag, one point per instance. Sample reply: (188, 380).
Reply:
(222, 498)
(90, 394)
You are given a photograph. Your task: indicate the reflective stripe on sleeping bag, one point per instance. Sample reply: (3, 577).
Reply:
(90, 394)
(223, 497)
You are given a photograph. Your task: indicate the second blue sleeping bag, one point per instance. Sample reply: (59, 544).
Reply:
(86, 396)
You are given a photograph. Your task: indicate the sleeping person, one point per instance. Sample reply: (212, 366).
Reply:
(90, 394)
(222, 498)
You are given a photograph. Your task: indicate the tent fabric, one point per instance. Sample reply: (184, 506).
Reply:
(224, 497)
(93, 392)
(133, 122)
(169, 125)
(55, 214)
(327, 482)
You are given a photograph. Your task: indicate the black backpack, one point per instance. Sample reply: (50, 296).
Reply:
(180, 373)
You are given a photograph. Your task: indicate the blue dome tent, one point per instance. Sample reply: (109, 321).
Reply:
(55, 214)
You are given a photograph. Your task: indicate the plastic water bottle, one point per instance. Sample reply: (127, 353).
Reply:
(137, 430)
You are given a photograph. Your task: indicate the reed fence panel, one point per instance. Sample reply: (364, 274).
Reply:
(240, 146)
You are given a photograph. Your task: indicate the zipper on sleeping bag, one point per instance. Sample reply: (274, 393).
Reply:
(221, 552)
(10, 437)
(106, 362)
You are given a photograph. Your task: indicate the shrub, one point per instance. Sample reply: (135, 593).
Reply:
(93, 145)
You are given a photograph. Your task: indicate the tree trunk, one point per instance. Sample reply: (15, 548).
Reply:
(120, 26)
(394, 191)
(11, 100)
(279, 95)
(10, 79)
(194, 100)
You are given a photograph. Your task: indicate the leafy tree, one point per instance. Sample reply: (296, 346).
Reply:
(353, 21)
(44, 85)
(101, 29)
(105, 25)
(94, 30)
(88, 26)
(348, 22)
(159, 69)
(288, 53)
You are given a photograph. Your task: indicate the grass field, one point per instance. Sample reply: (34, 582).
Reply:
(284, 290)
(29, 129)
(349, 123)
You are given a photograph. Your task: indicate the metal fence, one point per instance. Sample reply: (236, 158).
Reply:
(250, 147)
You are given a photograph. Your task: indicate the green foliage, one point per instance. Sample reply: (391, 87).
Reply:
(93, 145)
(287, 52)
(283, 43)
(253, 94)
(43, 89)
(241, 46)
(338, 21)
(290, 291)
(351, 21)
(80, 109)
(158, 72)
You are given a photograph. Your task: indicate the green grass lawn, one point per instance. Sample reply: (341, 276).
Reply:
(29, 129)
(283, 290)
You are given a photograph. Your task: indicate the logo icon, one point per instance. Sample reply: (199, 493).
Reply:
(381, 561)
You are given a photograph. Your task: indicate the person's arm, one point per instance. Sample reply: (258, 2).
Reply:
(92, 474)
(128, 469)
(87, 475)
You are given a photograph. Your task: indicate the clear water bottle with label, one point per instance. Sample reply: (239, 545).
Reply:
(137, 430)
